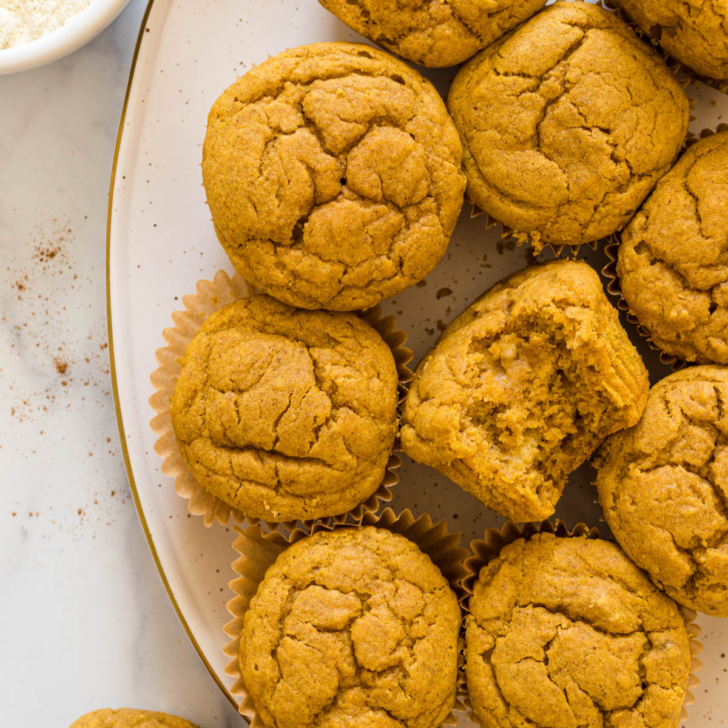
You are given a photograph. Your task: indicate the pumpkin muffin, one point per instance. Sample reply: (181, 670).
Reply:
(333, 176)
(568, 632)
(433, 34)
(663, 485)
(694, 33)
(673, 261)
(522, 388)
(127, 718)
(352, 628)
(286, 414)
(567, 124)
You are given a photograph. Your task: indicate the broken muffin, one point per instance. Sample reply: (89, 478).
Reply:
(522, 387)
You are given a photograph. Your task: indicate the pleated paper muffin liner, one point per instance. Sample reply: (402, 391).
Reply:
(614, 287)
(524, 238)
(672, 63)
(489, 547)
(210, 297)
(258, 550)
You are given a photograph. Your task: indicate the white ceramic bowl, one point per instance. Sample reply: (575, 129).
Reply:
(78, 31)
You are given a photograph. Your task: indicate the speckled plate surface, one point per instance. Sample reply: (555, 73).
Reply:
(161, 242)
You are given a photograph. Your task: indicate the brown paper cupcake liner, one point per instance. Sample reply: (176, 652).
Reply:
(614, 288)
(489, 547)
(524, 238)
(258, 550)
(609, 271)
(210, 297)
(688, 75)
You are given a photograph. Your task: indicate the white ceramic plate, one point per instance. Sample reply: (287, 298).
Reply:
(161, 242)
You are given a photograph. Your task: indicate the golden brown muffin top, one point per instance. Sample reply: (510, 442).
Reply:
(568, 632)
(352, 627)
(523, 386)
(333, 175)
(128, 718)
(567, 123)
(695, 33)
(673, 261)
(433, 34)
(663, 486)
(285, 413)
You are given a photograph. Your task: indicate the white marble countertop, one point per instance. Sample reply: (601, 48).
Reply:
(84, 620)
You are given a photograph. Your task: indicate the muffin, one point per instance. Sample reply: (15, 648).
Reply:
(332, 172)
(522, 387)
(673, 261)
(663, 485)
(694, 33)
(352, 627)
(127, 718)
(567, 124)
(568, 632)
(286, 414)
(433, 34)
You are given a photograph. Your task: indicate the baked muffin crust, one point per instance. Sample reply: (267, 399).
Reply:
(129, 718)
(283, 413)
(433, 34)
(567, 124)
(568, 632)
(352, 627)
(522, 387)
(694, 33)
(673, 261)
(333, 176)
(663, 486)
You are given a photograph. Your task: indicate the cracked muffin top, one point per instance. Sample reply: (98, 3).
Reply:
(694, 32)
(673, 261)
(663, 486)
(286, 414)
(128, 718)
(352, 628)
(332, 172)
(433, 34)
(568, 633)
(522, 387)
(567, 124)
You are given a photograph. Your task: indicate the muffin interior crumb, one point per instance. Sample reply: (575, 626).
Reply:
(523, 387)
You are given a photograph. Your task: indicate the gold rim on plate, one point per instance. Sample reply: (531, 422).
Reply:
(115, 384)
